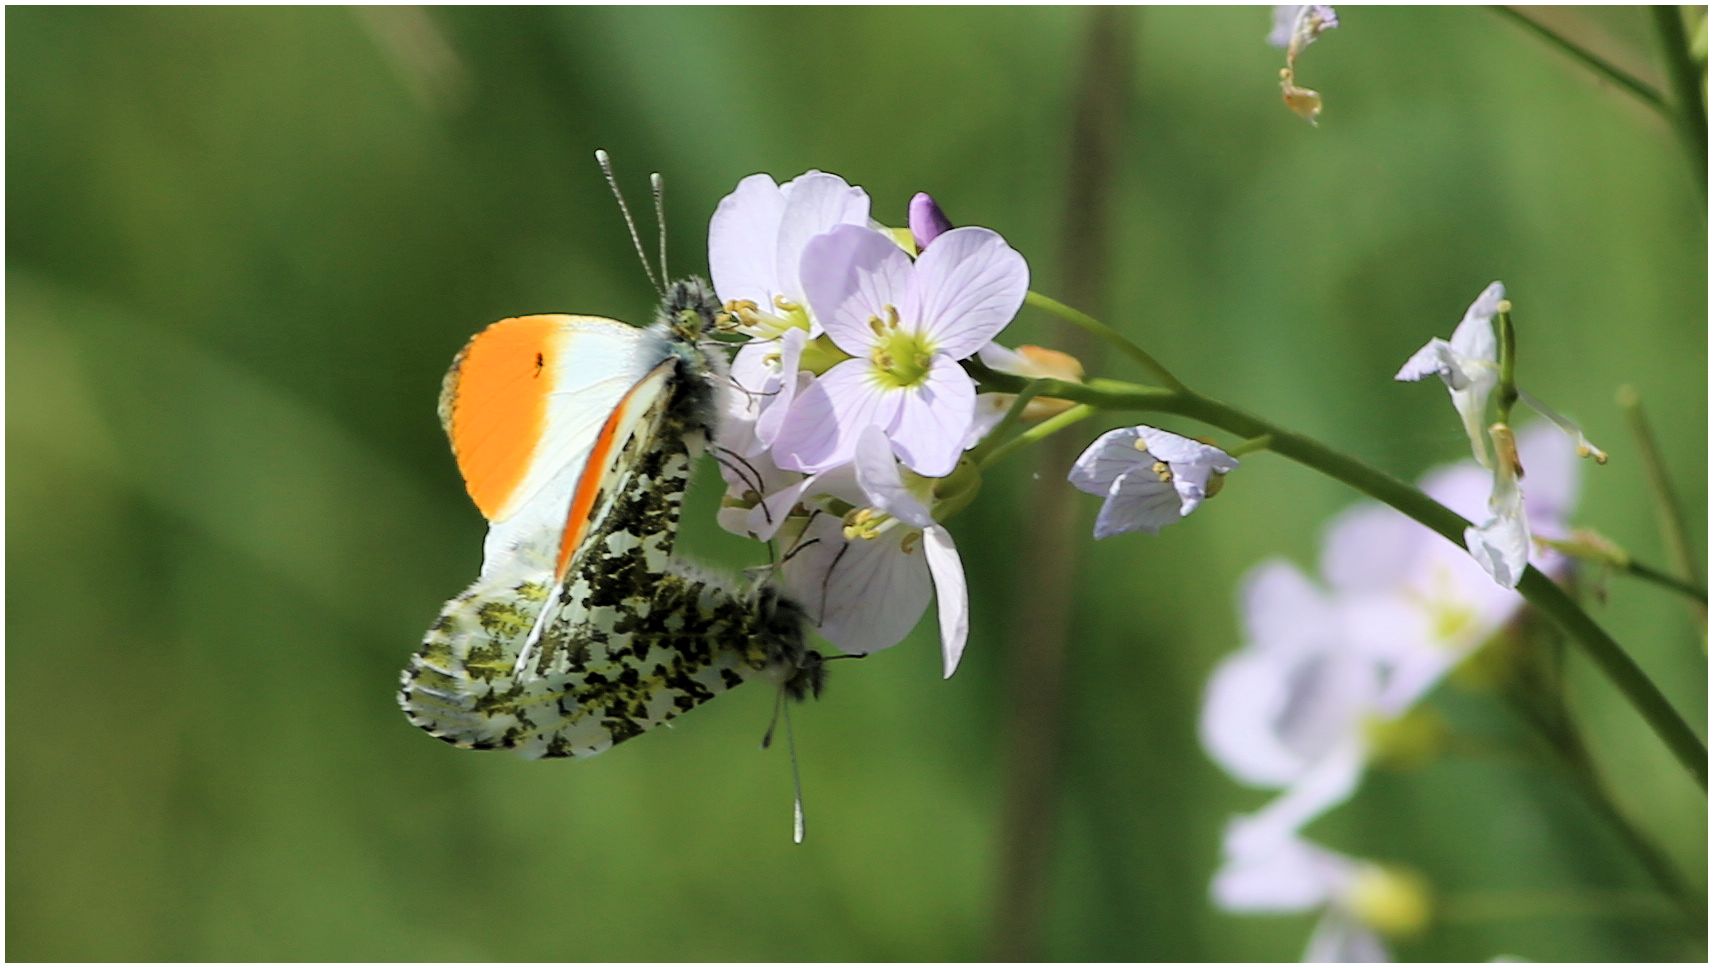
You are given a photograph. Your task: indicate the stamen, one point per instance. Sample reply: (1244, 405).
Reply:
(1163, 471)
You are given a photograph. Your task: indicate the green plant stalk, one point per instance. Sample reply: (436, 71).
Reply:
(1648, 573)
(1672, 526)
(1040, 431)
(1688, 114)
(1535, 587)
(1506, 396)
(1084, 321)
(1642, 90)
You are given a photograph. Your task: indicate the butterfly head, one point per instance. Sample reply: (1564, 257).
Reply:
(690, 310)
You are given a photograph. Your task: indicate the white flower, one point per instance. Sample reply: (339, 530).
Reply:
(867, 577)
(1148, 477)
(905, 325)
(1269, 869)
(1469, 365)
(756, 240)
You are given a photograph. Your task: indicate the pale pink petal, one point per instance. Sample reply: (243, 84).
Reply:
(1436, 358)
(852, 275)
(743, 241)
(1370, 548)
(1554, 475)
(1192, 464)
(1138, 501)
(814, 203)
(784, 389)
(1339, 938)
(1003, 359)
(1112, 454)
(1474, 337)
(929, 430)
(862, 595)
(971, 285)
(951, 595)
(1282, 608)
(820, 430)
(990, 409)
(1247, 688)
(877, 473)
(1268, 868)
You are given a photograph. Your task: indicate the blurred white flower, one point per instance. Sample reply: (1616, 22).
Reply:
(1268, 869)
(1148, 477)
(1289, 708)
(1327, 679)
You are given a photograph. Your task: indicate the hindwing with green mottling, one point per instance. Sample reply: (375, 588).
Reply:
(684, 641)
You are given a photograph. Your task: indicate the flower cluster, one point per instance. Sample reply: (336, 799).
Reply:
(845, 435)
(1329, 681)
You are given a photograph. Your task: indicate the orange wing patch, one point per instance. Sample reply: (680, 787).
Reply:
(494, 404)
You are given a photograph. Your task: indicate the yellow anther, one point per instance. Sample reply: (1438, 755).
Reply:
(1163, 471)
(875, 324)
(892, 316)
(1504, 305)
(910, 541)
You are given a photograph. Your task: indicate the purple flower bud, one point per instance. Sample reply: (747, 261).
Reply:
(926, 220)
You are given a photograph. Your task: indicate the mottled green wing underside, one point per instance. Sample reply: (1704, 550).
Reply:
(601, 683)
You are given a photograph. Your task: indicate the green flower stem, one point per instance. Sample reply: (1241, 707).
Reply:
(1672, 526)
(1250, 446)
(1647, 573)
(1689, 113)
(1543, 708)
(1539, 590)
(1506, 395)
(1642, 90)
(1040, 431)
(1086, 322)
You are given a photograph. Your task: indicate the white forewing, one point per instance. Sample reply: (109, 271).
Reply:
(598, 362)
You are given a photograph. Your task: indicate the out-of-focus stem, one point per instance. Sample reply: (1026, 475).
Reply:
(1672, 527)
(1642, 90)
(1689, 114)
(1036, 670)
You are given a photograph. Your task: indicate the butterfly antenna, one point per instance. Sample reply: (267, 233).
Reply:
(606, 163)
(772, 721)
(658, 184)
(796, 777)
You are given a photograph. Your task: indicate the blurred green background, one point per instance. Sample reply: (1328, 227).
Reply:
(244, 244)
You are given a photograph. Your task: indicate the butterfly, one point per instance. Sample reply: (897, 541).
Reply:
(575, 436)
